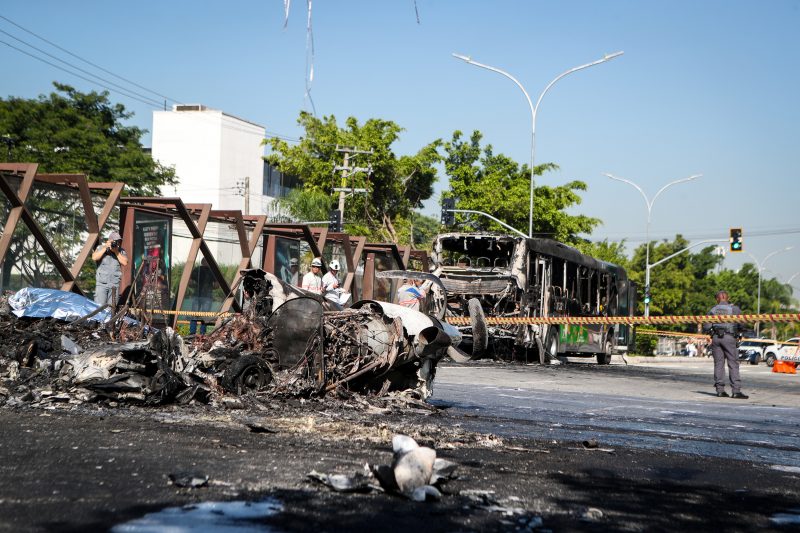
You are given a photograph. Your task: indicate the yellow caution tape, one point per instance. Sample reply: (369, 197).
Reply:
(578, 320)
(662, 333)
(630, 320)
(210, 314)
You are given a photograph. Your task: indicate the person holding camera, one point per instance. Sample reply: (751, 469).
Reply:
(723, 348)
(110, 258)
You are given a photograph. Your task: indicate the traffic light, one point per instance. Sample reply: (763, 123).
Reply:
(736, 239)
(647, 296)
(335, 220)
(448, 217)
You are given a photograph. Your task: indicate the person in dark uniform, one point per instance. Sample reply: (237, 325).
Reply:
(723, 347)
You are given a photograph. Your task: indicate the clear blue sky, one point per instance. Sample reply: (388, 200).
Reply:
(705, 87)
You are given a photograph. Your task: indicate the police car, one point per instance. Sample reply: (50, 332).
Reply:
(788, 350)
(752, 350)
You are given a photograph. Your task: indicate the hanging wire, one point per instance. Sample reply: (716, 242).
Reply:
(76, 56)
(287, 4)
(109, 82)
(310, 59)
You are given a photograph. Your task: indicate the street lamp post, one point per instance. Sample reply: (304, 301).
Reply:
(649, 203)
(535, 108)
(761, 266)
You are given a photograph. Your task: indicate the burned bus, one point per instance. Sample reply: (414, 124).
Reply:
(499, 275)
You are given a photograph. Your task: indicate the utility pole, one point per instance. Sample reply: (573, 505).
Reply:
(348, 171)
(247, 195)
(243, 189)
(345, 169)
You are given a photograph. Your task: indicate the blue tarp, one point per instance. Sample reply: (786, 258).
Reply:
(43, 303)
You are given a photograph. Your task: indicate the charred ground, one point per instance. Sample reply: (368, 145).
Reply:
(90, 467)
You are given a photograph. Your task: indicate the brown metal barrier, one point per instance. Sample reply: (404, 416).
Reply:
(360, 255)
(19, 211)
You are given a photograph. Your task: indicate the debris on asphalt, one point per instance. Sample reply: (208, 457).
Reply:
(415, 473)
(592, 514)
(593, 445)
(488, 501)
(188, 480)
(358, 482)
(288, 343)
(258, 428)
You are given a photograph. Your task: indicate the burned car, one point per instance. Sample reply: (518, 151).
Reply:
(299, 343)
(287, 342)
(503, 276)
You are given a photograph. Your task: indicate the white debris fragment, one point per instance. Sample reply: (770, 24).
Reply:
(413, 469)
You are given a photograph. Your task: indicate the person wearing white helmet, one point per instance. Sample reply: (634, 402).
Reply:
(312, 281)
(294, 271)
(330, 281)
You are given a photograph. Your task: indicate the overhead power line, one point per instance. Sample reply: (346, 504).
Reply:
(104, 83)
(282, 137)
(150, 103)
(76, 56)
(707, 235)
(153, 102)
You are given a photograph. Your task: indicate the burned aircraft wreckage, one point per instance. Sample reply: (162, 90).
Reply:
(499, 275)
(287, 342)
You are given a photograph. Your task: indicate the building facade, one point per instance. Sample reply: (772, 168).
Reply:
(217, 157)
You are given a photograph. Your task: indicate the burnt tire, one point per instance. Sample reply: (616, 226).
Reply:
(248, 373)
(551, 346)
(480, 335)
(604, 358)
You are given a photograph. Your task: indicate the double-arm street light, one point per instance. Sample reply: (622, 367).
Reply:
(761, 266)
(535, 108)
(649, 203)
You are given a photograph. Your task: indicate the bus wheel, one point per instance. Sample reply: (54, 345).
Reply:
(480, 337)
(550, 346)
(605, 357)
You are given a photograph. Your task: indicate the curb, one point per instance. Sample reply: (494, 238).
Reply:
(633, 360)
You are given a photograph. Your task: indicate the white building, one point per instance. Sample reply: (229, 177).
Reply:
(218, 161)
(215, 155)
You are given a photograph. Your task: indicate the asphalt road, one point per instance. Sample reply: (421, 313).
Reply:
(668, 406)
(670, 455)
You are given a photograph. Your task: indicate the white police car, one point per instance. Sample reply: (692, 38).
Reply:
(788, 350)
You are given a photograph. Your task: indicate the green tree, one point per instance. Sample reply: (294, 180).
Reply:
(677, 285)
(396, 184)
(496, 184)
(307, 204)
(71, 132)
(421, 227)
(74, 132)
(687, 284)
(605, 250)
(425, 229)
(742, 287)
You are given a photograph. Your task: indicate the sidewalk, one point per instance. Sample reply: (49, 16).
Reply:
(640, 359)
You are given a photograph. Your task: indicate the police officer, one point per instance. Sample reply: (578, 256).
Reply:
(723, 347)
